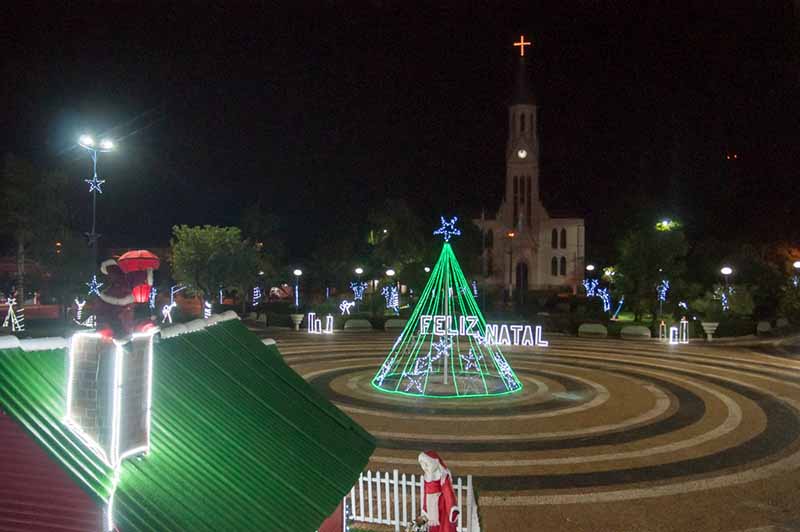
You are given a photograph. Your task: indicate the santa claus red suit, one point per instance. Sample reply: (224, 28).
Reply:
(439, 504)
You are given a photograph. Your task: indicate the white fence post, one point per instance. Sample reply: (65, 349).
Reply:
(396, 501)
(470, 500)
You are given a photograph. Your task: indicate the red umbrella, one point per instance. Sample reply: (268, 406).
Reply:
(138, 260)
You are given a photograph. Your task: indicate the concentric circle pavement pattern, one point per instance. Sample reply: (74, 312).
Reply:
(606, 435)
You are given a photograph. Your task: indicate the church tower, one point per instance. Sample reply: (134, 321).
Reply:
(525, 248)
(522, 150)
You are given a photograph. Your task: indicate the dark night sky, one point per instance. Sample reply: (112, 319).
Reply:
(325, 110)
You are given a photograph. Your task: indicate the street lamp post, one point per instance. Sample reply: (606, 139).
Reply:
(297, 273)
(726, 271)
(105, 145)
(511, 235)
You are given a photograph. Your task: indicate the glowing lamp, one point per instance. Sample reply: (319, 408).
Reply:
(590, 267)
(427, 269)
(86, 141)
(141, 293)
(298, 272)
(796, 264)
(107, 144)
(359, 270)
(390, 272)
(726, 270)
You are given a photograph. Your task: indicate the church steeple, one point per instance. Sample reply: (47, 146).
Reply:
(523, 93)
(522, 152)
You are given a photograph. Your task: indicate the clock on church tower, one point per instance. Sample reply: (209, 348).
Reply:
(525, 247)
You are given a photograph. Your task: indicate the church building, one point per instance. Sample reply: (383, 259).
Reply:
(524, 247)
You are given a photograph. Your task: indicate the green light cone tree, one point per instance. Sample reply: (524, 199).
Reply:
(441, 351)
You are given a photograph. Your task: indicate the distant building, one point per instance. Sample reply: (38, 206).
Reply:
(525, 247)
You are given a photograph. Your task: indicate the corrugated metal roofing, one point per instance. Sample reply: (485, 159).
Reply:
(239, 440)
(35, 493)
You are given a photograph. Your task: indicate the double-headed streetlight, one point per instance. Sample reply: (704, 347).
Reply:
(106, 145)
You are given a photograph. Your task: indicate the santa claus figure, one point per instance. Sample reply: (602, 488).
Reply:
(439, 504)
(128, 282)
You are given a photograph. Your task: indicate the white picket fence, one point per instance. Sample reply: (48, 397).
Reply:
(394, 499)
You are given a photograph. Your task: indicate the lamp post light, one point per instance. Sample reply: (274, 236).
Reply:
(590, 268)
(427, 269)
(510, 235)
(106, 145)
(726, 271)
(297, 273)
(796, 279)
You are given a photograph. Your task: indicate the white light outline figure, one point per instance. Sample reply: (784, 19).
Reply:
(14, 318)
(345, 306)
(207, 309)
(448, 229)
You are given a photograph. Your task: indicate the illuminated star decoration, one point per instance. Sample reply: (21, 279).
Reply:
(448, 229)
(94, 184)
(94, 286)
(442, 347)
(469, 361)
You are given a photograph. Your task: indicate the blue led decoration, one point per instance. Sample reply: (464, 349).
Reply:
(392, 298)
(591, 286)
(619, 308)
(662, 289)
(358, 290)
(605, 296)
(94, 286)
(152, 298)
(448, 229)
(94, 184)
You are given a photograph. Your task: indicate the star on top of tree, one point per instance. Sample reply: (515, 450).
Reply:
(448, 229)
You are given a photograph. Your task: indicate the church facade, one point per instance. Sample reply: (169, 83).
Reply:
(524, 247)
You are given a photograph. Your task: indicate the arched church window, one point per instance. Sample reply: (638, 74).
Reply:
(522, 123)
(489, 239)
(563, 239)
(563, 266)
(554, 239)
(489, 265)
(516, 200)
(554, 265)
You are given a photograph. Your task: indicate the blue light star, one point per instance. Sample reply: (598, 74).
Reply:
(94, 184)
(94, 286)
(448, 229)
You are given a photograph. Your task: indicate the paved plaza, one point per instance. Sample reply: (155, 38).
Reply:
(606, 436)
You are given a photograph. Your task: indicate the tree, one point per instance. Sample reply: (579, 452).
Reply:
(646, 256)
(32, 210)
(209, 258)
(265, 230)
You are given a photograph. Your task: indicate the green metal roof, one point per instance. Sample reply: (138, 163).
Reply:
(239, 441)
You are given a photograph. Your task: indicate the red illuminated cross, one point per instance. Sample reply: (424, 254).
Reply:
(522, 44)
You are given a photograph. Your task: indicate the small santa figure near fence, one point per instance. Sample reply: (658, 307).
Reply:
(439, 504)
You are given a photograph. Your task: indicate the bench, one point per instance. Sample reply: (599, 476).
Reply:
(394, 323)
(357, 324)
(592, 330)
(635, 332)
